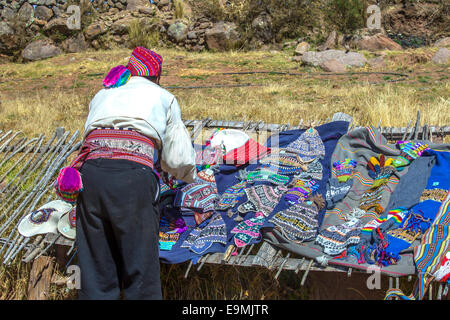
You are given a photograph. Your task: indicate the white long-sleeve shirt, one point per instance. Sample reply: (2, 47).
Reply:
(154, 112)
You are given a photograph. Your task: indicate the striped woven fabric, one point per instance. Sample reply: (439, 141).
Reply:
(117, 144)
(428, 256)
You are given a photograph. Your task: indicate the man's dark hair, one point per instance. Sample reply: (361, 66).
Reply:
(153, 79)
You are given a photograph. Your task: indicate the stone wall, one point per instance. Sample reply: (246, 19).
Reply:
(30, 28)
(35, 29)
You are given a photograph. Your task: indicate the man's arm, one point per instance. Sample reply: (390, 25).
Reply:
(178, 155)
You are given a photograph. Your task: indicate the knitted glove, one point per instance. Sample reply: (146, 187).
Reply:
(336, 191)
(380, 170)
(344, 169)
(409, 152)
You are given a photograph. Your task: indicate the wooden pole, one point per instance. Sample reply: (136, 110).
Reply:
(40, 278)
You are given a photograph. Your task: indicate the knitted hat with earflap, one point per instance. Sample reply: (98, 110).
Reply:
(299, 222)
(248, 230)
(262, 198)
(308, 146)
(203, 237)
(143, 62)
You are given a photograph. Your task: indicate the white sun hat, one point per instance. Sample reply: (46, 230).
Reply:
(44, 220)
(67, 224)
(229, 138)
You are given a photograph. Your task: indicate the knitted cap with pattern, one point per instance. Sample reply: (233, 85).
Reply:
(197, 195)
(298, 222)
(262, 198)
(308, 146)
(247, 230)
(201, 239)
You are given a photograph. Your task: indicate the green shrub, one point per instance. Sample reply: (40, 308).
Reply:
(346, 15)
(178, 9)
(141, 35)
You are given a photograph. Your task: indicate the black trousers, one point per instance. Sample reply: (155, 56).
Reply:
(117, 231)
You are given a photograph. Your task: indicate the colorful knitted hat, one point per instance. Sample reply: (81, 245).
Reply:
(408, 152)
(201, 239)
(371, 200)
(308, 146)
(343, 170)
(231, 196)
(301, 191)
(335, 239)
(197, 195)
(143, 62)
(206, 176)
(262, 198)
(280, 158)
(68, 185)
(299, 222)
(336, 191)
(280, 168)
(177, 225)
(314, 170)
(200, 216)
(247, 230)
(167, 240)
(263, 175)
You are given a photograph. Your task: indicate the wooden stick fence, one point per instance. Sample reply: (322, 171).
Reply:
(28, 168)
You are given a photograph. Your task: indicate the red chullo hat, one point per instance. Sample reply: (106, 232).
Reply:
(144, 62)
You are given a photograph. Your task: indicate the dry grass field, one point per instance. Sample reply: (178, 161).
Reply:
(37, 97)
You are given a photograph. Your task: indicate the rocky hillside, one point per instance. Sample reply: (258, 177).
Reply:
(37, 29)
